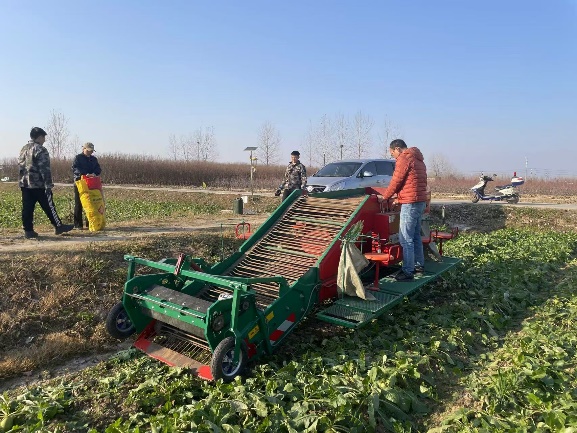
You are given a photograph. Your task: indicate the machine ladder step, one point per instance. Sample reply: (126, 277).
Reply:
(353, 312)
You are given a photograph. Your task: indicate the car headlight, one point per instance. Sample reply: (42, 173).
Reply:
(310, 188)
(336, 186)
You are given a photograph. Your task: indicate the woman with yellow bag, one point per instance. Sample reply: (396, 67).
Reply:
(84, 164)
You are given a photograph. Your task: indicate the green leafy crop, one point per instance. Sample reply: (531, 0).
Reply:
(491, 347)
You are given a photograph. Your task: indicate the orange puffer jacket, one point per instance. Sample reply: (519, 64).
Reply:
(409, 180)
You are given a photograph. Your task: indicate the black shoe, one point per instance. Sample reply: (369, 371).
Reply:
(30, 234)
(419, 269)
(402, 277)
(63, 228)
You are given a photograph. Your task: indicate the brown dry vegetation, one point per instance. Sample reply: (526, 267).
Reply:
(54, 303)
(142, 170)
(145, 170)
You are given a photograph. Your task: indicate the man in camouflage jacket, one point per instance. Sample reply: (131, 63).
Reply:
(35, 181)
(295, 176)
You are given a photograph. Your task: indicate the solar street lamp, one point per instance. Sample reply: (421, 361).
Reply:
(252, 167)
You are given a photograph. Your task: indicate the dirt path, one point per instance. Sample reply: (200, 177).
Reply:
(15, 242)
(238, 193)
(71, 366)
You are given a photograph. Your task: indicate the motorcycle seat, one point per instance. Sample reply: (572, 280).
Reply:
(502, 186)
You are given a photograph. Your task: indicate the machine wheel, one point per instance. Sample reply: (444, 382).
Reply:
(118, 324)
(474, 198)
(513, 199)
(222, 365)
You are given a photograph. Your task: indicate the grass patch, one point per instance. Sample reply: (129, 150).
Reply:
(124, 205)
(502, 328)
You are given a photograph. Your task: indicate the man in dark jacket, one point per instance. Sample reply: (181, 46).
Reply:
(86, 164)
(295, 176)
(409, 182)
(35, 181)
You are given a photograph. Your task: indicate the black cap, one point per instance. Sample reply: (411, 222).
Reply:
(37, 132)
(295, 153)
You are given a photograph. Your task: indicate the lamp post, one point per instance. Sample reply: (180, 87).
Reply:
(252, 169)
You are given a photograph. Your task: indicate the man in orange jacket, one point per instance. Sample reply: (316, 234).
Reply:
(409, 182)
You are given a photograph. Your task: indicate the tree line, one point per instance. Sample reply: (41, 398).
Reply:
(122, 169)
(326, 139)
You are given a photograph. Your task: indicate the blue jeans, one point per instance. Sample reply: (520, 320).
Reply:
(410, 236)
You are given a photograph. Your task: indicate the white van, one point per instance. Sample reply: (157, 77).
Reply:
(350, 174)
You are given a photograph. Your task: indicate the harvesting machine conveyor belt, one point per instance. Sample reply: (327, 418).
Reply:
(295, 243)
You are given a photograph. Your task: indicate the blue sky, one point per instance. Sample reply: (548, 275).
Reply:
(486, 83)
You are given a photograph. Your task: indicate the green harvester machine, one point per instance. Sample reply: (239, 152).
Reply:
(215, 319)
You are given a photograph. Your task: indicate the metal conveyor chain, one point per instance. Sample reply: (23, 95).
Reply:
(295, 243)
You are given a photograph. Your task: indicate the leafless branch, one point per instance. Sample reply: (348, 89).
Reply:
(362, 134)
(439, 166)
(389, 131)
(269, 144)
(58, 133)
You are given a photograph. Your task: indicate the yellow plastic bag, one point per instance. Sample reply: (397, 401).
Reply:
(93, 205)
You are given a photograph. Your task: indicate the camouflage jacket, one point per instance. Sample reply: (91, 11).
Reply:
(34, 165)
(295, 176)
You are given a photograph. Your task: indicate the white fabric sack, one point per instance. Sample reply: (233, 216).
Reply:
(348, 280)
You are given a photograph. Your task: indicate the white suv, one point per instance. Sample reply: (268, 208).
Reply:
(352, 173)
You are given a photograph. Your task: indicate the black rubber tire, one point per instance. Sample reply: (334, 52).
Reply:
(513, 200)
(118, 323)
(221, 365)
(474, 198)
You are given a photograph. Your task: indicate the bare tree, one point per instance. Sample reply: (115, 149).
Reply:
(75, 144)
(58, 133)
(362, 140)
(439, 166)
(269, 144)
(205, 144)
(323, 138)
(309, 144)
(342, 135)
(197, 146)
(183, 147)
(389, 132)
(173, 147)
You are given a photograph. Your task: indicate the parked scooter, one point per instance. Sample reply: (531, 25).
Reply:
(508, 193)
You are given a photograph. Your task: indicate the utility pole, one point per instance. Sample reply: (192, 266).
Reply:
(342, 151)
(252, 169)
(526, 164)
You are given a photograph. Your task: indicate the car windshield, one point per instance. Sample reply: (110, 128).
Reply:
(338, 169)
